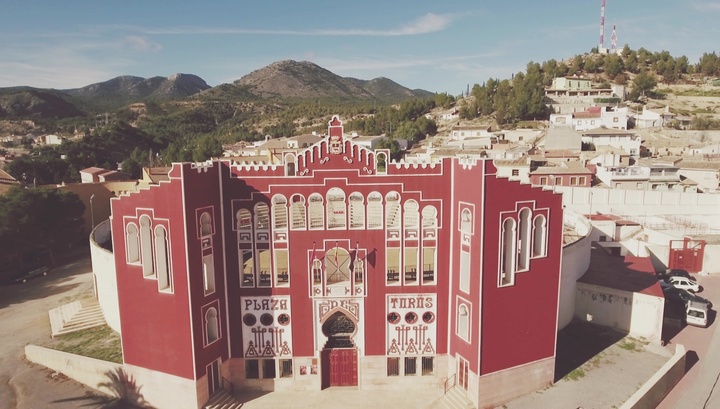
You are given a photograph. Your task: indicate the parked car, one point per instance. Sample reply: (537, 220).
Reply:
(685, 296)
(675, 272)
(36, 272)
(696, 314)
(684, 283)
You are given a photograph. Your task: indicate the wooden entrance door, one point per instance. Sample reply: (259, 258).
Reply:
(213, 374)
(462, 373)
(339, 367)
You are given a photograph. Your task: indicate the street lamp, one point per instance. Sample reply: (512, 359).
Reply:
(92, 211)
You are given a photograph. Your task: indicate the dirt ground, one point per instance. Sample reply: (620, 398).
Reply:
(596, 368)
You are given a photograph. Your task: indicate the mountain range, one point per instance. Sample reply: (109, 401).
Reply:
(283, 80)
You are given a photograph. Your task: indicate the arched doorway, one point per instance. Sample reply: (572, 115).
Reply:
(339, 356)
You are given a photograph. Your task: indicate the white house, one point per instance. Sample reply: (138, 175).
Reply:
(651, 118)
(617, 138)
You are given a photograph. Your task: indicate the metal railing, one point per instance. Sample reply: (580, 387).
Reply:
(227, 384)
(449, 383)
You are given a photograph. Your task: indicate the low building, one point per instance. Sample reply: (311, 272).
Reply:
(569, 173)
(98, 175)
(617, 138)
(705, 173)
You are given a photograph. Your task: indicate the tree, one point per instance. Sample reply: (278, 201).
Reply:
(643, 83)
(393, 145)
(613, 66)
(38, 220)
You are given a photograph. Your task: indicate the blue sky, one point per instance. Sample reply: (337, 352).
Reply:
(440, 46)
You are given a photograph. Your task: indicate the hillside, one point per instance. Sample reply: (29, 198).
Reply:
(33, 103)
(121, 91)
(305, 80)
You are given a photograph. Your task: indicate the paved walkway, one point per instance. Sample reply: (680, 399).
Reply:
(344, 397)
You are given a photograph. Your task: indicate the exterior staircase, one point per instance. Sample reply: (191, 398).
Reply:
(222, 399)
(75, 317)
(455, 399)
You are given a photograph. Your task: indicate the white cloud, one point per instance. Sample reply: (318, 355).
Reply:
(141, 43)
(707, 6)
(429, 23)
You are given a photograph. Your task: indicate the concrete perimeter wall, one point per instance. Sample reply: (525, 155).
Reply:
(640, 315)
(103, 266)
(500, 387)
(137, 385)
(575, 262)
(660, 384)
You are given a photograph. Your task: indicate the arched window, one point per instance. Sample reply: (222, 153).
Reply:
(212, 330)
(429, 217)
(243, 220)
(463, 322)
(336, 209)
(205, 224)
(163, 258)
(524, 239)
(539, 236)
(357, 211)
(466, 221)
(380, 163)
(289, 165)
(315, 210)
(279, 210)
(337, 266)
(146, 247)
(317, 271)
(262, 216)
(412, 215)
(132, 243)
(359, 270)
(507, 252)
(392, 204)
(375, 211)
(208, 274)
(297, 211)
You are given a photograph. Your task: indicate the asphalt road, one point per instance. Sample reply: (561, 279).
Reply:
(24, 320)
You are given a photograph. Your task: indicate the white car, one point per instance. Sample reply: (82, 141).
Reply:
(684, 283)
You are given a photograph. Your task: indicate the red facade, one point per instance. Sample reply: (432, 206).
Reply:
(337, 250)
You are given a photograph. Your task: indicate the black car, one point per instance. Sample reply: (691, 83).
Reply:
(685, 296)
(675, 272)
(36, 272)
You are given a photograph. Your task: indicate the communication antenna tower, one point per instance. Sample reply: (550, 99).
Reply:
(613, 39)
(602, 26)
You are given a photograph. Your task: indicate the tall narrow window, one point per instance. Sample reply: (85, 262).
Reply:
(393, 265)
(317, 271)
(429, 217)
(464, 271)
(411, 219)
(297, 210)
(463, 322)
(264, 268)
(146, 247)
(359, 269)
(336, 209)
(209, 274)
(212, 330)
(411, 264)
(282, 276)
(132, 243)
(524, 240)
(392, 205)
(393, 366)
(507, 253)
(243, 220)
(262, 216)
(247, 268)
(357, 211)
(380, 163)
(466, 221)
(162, 257)
(205, 224)
(280, 213)
(375, 211)
(289, 165)
(540, 235)
(429, 264)
(315, 210)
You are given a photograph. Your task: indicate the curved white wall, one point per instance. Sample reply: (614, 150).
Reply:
(575, 262)
(103, 265)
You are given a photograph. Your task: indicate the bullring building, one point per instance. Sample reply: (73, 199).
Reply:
(337, 267)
